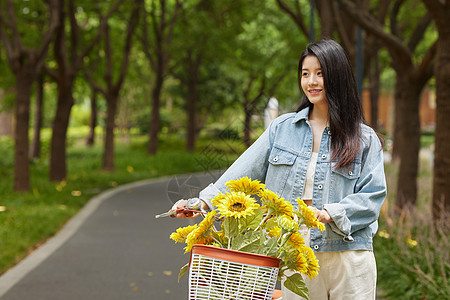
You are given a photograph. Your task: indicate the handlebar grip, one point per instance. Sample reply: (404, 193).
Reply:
(194, 204)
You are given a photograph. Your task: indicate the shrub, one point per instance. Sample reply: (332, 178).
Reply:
(412, 255)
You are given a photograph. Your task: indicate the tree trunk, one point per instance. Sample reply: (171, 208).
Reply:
(192, 110)
(441, 173)
(108, 154)
(35, 150)
(194, 61)
(248, 111)
(155, 118)
(58, 164)
(90, 139)
(326, 19)
(374, 78)
(24, 81)
(407, 129)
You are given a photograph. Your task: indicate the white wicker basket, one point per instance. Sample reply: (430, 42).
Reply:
(216, 273)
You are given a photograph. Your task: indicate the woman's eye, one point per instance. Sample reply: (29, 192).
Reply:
(304, 74)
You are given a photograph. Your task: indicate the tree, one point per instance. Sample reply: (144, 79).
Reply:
(440, 11)
(26, 63)
(203, 38)
(156, 46)
(115, 62)
(411, 78)
(195, 38)
(264, 62)
(70, 49)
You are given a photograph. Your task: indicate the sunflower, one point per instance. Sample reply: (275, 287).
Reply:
(197, 240)
(296, 261)
(200, 234)
(245, 185)
(202, 229)
(296, 240)
(309, 216)
(312, 268)
(287, 223)
(181, 234)
(218, 199)
(275, 205)
(301, 263)
(274, 231)
(206, 224)
(237, 205)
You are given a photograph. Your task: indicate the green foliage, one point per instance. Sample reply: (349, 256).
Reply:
(231, 227)
(31, 18)
(412, 258)
(250, 242)
(296, 284)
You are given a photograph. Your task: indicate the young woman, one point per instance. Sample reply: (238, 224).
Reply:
(326, 155)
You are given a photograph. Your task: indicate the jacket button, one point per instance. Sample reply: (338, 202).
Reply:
(324, 156)
(350, 173)
(329, 132)
(316, 247)
(319, 186)
(275, 158)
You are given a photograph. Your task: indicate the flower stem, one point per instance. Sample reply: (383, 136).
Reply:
(286, 239)
(269, 215)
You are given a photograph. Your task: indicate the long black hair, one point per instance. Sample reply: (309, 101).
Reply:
(344, 105)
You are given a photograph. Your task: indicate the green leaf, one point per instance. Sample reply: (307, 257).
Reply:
(248, 242)
(272, 222)
(270, 247)
(183, 270)
(297, 285)
(231, 227)
(252, 221)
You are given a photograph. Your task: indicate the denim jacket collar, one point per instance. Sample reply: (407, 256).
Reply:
(301, 115)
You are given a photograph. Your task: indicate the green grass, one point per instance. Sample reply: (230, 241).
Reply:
(29, 218)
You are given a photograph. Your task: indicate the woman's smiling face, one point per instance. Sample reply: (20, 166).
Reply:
(312, 81)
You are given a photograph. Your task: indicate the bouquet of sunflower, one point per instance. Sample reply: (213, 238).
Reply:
(253, 219)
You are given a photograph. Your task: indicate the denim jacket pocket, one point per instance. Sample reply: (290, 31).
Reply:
(281, 162)
(280, 156)
(350, 172)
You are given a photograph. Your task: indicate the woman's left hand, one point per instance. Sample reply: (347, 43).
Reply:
(322, 215)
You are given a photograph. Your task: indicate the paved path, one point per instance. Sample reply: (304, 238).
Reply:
(113, 249)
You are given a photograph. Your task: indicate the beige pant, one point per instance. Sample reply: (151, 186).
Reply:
(343, 275)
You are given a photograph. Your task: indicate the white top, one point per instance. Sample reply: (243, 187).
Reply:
(309, 180)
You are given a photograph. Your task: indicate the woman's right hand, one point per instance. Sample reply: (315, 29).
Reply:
(180, 208)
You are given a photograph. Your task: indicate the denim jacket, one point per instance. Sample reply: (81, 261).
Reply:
(352, 195)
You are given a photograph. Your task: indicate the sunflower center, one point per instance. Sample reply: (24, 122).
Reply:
(237, 206)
